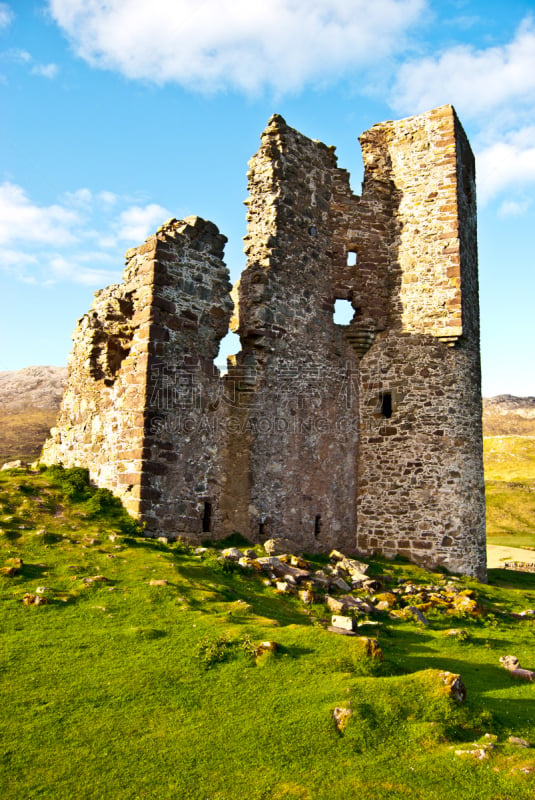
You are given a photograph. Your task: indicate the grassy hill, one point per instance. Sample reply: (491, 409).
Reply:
(510, 489)
(24, 433)
(142, 673)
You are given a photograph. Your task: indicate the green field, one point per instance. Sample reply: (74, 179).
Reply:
(116, 689)
(510, 490)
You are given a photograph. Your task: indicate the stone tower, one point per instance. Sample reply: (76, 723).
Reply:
(365, 436)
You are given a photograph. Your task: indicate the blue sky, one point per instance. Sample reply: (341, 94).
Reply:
(118, 114)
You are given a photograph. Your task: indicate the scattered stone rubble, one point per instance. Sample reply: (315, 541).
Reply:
(349, 593)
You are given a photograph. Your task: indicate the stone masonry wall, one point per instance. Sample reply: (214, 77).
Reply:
(421, 489)
(142, 390)
(298, 470)
(365, 436)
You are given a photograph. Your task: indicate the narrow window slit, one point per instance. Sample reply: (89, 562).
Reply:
(386, 405)
(317, 525)
(207, 517)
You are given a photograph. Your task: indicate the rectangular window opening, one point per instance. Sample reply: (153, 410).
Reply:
(386, 404)
(317, 525)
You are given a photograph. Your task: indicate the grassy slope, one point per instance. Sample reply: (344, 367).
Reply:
(114, 690)
(510, 490)
(23, 433)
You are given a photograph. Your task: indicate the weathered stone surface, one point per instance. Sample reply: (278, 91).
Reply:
(279, 546)
(345, 623)
(518, 741)
(364, 437)
(372, 648)
(453, 685)
(233, 553)
(512, 664)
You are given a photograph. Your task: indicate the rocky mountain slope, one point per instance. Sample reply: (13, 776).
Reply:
(505, 415)
(35, 387)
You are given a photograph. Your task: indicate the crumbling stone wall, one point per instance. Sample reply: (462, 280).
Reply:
(298, 472)
(145, 424)
(365, 436)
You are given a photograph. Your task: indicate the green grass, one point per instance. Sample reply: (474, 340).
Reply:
(120, 690)
(510, 490)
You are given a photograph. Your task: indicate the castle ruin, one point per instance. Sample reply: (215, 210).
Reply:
(364, 436)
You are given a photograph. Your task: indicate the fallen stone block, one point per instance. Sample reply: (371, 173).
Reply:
(306, 596)
(454, 686)
(340, 583)
(278, 546)
(372, 647)
(518, 742)
(18, 464)
(512, 665)
(283, 587)
(477, 753)
(345, 623)
(233, 553)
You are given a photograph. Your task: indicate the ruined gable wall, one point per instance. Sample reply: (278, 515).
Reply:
(141, 375)
(185, 412)
(295, 363)
(420, 469)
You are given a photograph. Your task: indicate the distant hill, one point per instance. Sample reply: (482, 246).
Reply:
(29, 403)
(509, 460)
(506, 415)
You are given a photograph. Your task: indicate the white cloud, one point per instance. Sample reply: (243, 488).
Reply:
(477, 82)
(215, 44)
(77, 270)
(20, 219)
(6, 15)
(49, 71)
(17, 56)
(513, 208)
(493, 89)
(74, 240)
(108, 198)
(507, 163)
(137, 222)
